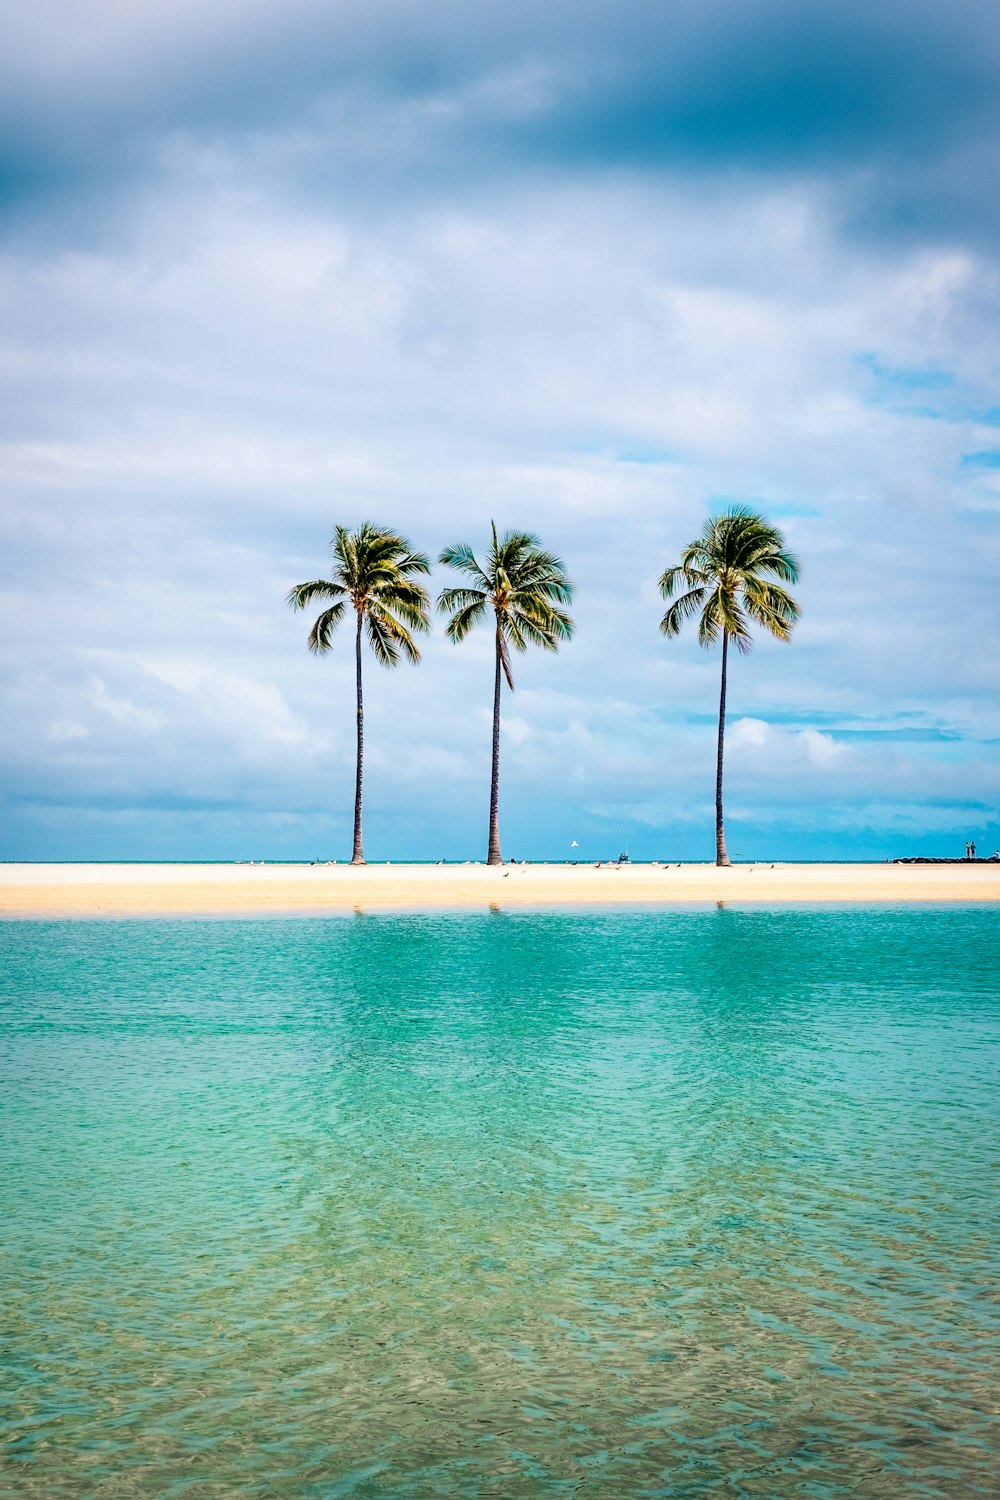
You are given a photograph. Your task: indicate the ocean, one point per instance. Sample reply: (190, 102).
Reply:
(657, 1203)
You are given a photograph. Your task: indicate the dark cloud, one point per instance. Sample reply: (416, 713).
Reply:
(445, 95)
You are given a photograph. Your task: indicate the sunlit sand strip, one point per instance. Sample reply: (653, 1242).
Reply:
(218, 890)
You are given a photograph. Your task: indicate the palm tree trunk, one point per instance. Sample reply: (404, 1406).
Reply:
(721, 857)
(493, 854)
(358, 857)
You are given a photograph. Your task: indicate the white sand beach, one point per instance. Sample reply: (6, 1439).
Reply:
(88, 890)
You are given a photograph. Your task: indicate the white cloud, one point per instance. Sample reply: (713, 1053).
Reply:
(821, 749)
(186, 413)
(61, 730)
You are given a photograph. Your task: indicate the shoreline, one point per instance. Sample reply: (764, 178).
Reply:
(42, 892)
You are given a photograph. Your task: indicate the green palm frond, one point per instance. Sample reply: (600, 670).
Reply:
(732, 620)
(383, 647)
(414, 562)
(388, 638)
(524, 585)
(408, 600)
(461, 598)
(709, 622)
(537, 633)
(680, 576)
(696, 560)
(682, 608)
(727, 573)
(541, 623)
(465, 617)
(505, 660)
(326, 624)
(511, 626)
(462, 558)
(375, 570)
(770, 606)
(319, 588)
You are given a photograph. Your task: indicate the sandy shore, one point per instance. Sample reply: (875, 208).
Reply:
(216, 890)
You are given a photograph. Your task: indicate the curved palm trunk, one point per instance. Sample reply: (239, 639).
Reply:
(358, 857)
(721, 857)
(493, 854)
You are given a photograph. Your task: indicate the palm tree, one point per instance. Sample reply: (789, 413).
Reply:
(524, 587)
(726, 575)
(373, 571)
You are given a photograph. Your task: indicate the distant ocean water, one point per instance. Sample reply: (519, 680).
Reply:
(607, 858)
(573, 1204)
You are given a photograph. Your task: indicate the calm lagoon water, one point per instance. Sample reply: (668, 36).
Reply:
(629, 1204)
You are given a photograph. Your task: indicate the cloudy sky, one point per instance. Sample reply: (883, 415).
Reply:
(589, 269)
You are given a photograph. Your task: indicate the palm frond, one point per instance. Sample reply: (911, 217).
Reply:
(539, 633)
(524, 584)
(388, 638)
(682, 608)
(541, 622)
(414, 562)
(513, 544)
(673, 578)
(776, 561)
(460, 598)
(511, 627)
(371, 556)
(383, 647)
(318, 588)
(732, 619)
(697, 560)
(344, 548)
(770, 606)
(505, 660)
(376, 569)
(326, 624)
(544, 584)
(410, 601)
(709, 622)
(462, 558)
(727, 571)
(464, 618)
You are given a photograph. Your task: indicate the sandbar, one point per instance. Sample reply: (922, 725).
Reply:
(124, 890)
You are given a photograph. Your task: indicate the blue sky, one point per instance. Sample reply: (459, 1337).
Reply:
(587, 269)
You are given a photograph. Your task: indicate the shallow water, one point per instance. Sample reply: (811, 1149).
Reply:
(631, 1204)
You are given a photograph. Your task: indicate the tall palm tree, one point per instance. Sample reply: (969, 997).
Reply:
(525, 588)
(373, 572)
(726, 576)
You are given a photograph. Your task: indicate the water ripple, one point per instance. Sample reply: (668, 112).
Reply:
(656, 1204)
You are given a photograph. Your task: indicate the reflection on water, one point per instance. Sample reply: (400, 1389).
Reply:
(677, 1204)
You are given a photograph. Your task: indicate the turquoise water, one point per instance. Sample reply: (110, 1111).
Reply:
(631, 1204)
